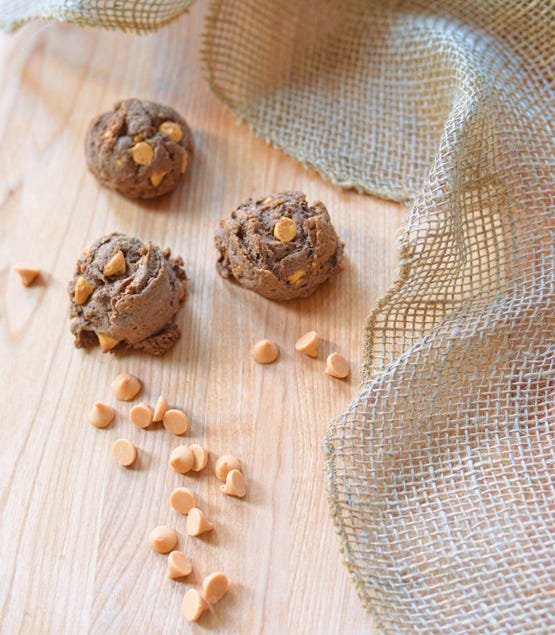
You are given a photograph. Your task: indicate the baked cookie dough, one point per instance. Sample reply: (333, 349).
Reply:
(125, 294)
(141, 149)
(279, 246)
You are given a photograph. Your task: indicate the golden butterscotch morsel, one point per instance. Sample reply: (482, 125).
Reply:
(200, 457)
(27, 274)
(296, 277)
(175, 421)
(285, 229)
(197, 523)
(214, 587)
(142, 153)
(160, 409)
(83, 290)
(163, 539)
(116, 265)
(125, 387)
(225, 464)
(141, 415)
(194, 605)
(124, 452)
(235, 484)
(183, 500)
(337, 366)
(101, 415)
(107, 342)
(179, 565)
(265, 352)
(182, 459)
(308, 344)
(173, 130)
(156, 178)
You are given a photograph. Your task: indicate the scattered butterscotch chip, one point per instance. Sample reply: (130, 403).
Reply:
(141, 415)
(201, 457)
(182, 459)
(163, 539)
(27, 274)
(157, 177)
(197, 523)
(174, 132)
(214, 587)
(265, 352)
(194, 605)
(308, 344)
(175, 421)
(337, 366)
(285, 229)
(179, 565)
(297, 276)
(225, 464)
(160, 409)
(125, 387)
(83, 290)
(142, 153)
(107, 342)
(124, 452)
(116, 265)
(235, 484)
(183, 500)
(101, 415)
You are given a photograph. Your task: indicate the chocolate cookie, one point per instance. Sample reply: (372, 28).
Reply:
(125, 295)
(279, 246)
(141, 149)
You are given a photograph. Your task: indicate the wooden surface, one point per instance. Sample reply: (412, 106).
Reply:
(73, 551)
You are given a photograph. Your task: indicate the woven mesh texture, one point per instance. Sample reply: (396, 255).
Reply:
(441, 472)
(140, 16)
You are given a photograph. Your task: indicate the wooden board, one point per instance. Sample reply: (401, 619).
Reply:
(74, 556)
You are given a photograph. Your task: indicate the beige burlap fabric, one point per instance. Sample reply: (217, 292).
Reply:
(441, 473)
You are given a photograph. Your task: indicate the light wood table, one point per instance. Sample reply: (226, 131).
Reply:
(74, 556)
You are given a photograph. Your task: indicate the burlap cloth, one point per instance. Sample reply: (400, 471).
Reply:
(441, 472)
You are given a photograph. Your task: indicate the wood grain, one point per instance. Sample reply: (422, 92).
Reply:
(74, 556)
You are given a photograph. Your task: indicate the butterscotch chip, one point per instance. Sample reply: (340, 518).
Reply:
(124, 452)
(225, 464)
(297, 276)
(179, 565)
(157, 177)
(337, 366)
(183, 500)
(194, 605)
(285, 229)
(160, 408)
(214, 587)
(141, 415)
(163, 539)
(197, 523)
(101, 415)
(116, 265)
(83, 290)
(142, 153)
(175, 421)
(182, 459)
(107, 342)
(201, 457)
(265, 352)
(308, 344)
(235, 484)
(125, 387)
(184, 163)
(174, 132)
(27, 274)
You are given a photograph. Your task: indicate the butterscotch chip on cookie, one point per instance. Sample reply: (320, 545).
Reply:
(141, 149)
(279, 246)
(125, 294)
